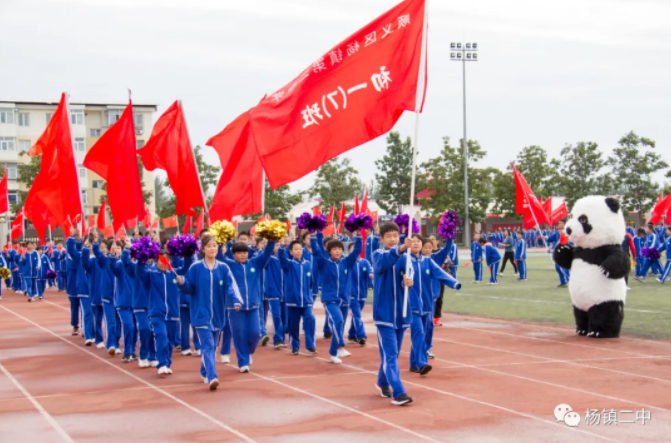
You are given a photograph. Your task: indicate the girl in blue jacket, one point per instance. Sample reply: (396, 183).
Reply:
(123, 299)
(245, 322)
(74, 248)
(298, 296)
(437, 288)
(335, 288)
(360, 279)
(212, 288)
(273, 294)
(493, 258)
(29, 265)
(93, 272)
(521, 257)
(107, 284)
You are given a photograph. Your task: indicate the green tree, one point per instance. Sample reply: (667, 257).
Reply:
(580, 170)
(395, 174)
(335, 183)
(633, 164)
(444, 179)
(26, 174)
(164, 198)
(278, 203)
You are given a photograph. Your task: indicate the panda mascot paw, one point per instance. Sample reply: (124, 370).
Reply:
(598, 266)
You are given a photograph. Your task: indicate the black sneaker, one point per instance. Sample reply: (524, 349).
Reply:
(327, 335)
(415, 370)
(294, 352)
(133, 357)
(362, 341)
(385, 391)
(126, 358)
(425, 370)
(264, 340)
(178, 348)
(401, 400)
(311, 351)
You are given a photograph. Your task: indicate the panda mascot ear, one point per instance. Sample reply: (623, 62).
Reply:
(613, 204)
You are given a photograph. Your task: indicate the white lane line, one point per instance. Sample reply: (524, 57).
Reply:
(64, 435)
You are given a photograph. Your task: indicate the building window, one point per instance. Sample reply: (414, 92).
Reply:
(24, 145)
(84, 197)
(13, 197)
(81, 171)
(94, 132)
(12, 172)
(7, 116)
(113, 115)
(138, 120)
(139, 143)
(98, 184)
(77, 117)
(24, 119)
(7, 144)
(49, 115)
(80, 145)
(96, 210)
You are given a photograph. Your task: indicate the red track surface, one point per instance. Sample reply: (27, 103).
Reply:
(493, 381)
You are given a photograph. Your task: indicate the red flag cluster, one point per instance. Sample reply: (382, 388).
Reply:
(662, 208)
(527, 204)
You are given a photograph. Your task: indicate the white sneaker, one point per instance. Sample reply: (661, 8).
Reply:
(100, 345)
(89, 342)
(111, 351)
(117, 351)
(251, 360)
(154, 363)
(163, 370)
(244, 369)
(225, 359)
(205, 380)
(187, 352)
(335, 360)
(144, 363)
(342, 353)
(198, 352)
(169, 371)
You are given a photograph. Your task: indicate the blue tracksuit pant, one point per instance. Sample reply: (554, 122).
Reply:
(16, 282)
(564, 274)
(454, 271)
(163, 344)
(29, 286)
(74, 311)
(263, 317)
(309, 326)
(522, 269)
(111, 325)
(147, 348)
(337, 315)
(278, 325)
(356, 329)
(128, 323)
(208, 341)
(98, 312)
(494, 269)
(667, 270)
(40, 286)
(87, 317)
(227, 337)
(185, 329)
(327, 322)
(655, 265)
(418, 358)
(59, 281)
(246, 333)
(477, 270)
(428, 328)
(390, 340)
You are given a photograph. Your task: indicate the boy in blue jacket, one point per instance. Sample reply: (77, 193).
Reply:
(45, 265)
(90, 265)
(298, 278)
(476, 258)
(245, 322)
(335, 288)
(360, 278)
(521, 257)
(493, 258)
(666, 246)
(74, 248)
(107, 287)
(388, 300)
(273, 294)
(213, 290)
(123, 298)
(639, 244)
(29, 266)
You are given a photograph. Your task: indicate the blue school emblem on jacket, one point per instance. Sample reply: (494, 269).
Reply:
(252, 270)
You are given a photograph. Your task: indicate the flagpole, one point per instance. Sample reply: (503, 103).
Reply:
(202, 192)
(411, 216)
(74, 159)
(263, 192)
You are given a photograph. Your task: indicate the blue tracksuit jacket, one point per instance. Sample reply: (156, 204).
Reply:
(298, 280)
(74, 251)
(521, 250)
(123, 287)
(273, 279)
(492, 255)
(140, 295)
(248, 277)
(335, 286)
(29, 265)
(93, 273)
(476, 252)
(425, 270)
(360, 280)
(372, 244)
(162, 289)
(388, 290)
(106, 281)
(440, 257)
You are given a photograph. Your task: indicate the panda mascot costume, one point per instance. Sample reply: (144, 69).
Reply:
(598, 266)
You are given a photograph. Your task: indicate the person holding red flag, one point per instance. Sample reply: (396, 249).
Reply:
(555, 239)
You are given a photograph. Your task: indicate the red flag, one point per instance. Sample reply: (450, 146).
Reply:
(57, 182)
(146, 221)
(121, 233)
(241, 183)
(357, 209)
(117, 225)
(4, 197)
(547, 206)
(199, 221)
(114, 158)
(364, 202)
(330, 217)
(317, 210)
(288, 223)
(373, 214)
(560, 213)
(154, 224)
(17, 231)
(18, 219)
(527, 203)
(164, 261)
(662, 206)
(102, 217)
(169, 148)
(108, 231)
(92, 221)
(132, 223)
(187, 226)
(350, 95)
(170, 222)
(341, 217)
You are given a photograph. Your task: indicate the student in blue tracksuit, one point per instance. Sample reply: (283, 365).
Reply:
(264, 306)
(388, 304)
(123, 298)
(163, 291)
(423, 271)
(493, 258)
(71, 291)
(309, 255)
(74, 248)
(3, 264)
(245, 323)
(439, 256)
(93, 272)
(107, 285)
(555, 239)
(45, 265)
(213, 290)
(335, 288)
(652, 241)
(181, 267)
(372, 244)
(14, 259)
(298, 296)
(476, 258)
(521, 257)
(56, 261)
(360, 279)
(274, 294)
(639, 244)
(224, 253)
(666, 246)
(29, 266)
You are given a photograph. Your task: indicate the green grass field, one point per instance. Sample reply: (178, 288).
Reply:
(647, 310)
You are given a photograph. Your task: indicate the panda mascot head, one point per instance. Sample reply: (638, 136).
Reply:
(597, 265)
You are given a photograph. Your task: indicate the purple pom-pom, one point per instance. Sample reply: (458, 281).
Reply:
(51, 274)
(651, 254)
(145, 249)
(359, 222)
(448, 224)
(403, 220)
(182, 246)
(312, 223)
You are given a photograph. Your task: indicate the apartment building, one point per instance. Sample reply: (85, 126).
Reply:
(22, 123)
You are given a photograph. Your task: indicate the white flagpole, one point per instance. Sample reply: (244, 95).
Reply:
(263, 192)
(74, 159)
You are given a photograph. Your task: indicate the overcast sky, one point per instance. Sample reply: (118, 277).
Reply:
(550, 72)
